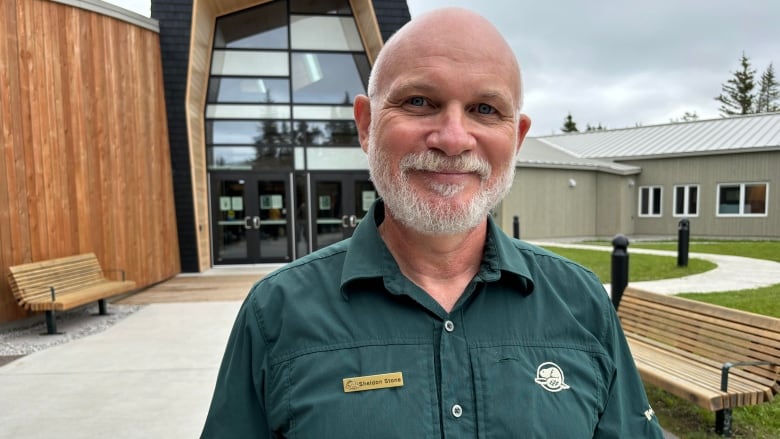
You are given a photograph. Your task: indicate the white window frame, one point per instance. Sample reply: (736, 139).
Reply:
(651, 192)
(686, 200)
(741, 212)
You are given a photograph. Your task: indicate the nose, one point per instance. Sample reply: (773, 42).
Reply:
(451, 135)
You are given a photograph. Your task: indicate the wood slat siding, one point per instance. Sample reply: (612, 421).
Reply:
(204, 15)
(84, 161)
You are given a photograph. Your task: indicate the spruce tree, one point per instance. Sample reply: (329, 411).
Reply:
(599, 127)
(737, 96)
(569, 126)
(768, 99)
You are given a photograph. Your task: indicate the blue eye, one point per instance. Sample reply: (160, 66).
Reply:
(485, 109)
(417, 101)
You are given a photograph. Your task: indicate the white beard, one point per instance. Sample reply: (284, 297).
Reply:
(445, 215)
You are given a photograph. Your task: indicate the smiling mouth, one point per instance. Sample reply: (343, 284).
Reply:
(437, 165)
(446, 177)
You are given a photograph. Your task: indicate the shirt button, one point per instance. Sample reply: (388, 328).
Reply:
(449, 326)
(457, 411)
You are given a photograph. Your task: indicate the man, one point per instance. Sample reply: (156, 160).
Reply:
(431, 322)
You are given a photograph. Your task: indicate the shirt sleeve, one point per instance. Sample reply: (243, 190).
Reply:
(237, 407)
(627, 412)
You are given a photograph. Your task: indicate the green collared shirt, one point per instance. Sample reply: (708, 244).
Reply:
(533, 348)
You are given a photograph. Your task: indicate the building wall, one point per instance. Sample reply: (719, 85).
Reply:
(84, 158)
(391, 15)
(708, 172)
(548, 207)
(615, 205)
(175, 18)
(186, 33)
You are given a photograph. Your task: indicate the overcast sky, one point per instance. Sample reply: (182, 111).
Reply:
(620, 63)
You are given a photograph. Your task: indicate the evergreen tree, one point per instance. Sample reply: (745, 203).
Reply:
(768, 99)
(689, 116)
(599, 127)
(737, 96)
(569, 126)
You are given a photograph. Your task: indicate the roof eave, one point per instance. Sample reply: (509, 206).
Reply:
(573, 167)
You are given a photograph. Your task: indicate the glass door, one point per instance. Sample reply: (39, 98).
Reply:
(339, 202)
(250, 218)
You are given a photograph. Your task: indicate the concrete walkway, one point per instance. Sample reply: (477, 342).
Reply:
(151, 375)
(731, 274)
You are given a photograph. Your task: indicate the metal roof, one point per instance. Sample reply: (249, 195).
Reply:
(703, 137)
(538, 153)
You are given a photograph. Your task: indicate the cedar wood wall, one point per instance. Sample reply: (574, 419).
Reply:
(84, 156)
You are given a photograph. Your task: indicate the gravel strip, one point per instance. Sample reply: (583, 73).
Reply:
(71, 325)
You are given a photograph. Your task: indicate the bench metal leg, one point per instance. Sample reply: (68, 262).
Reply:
(723, 422)
(102, 307)
(51, 323)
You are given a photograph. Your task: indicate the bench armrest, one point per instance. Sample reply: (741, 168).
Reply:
(116, 269)
(724, 371)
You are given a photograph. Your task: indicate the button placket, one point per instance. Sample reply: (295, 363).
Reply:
(456, 377)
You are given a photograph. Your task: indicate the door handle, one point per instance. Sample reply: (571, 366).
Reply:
(247, 224)
(345, 221)
(352, 221)
(256, 222)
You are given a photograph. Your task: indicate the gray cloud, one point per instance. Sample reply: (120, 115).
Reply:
(620, 63)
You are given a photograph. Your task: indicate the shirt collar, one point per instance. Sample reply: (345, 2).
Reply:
(368, 258)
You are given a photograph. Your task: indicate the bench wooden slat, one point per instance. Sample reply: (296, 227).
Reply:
(727, 348)
(82, 297)
(693, 379)
(76, 281)
(680, 345)
(668, 313)
(731, 340)
(665, 313)
(717, 311)
(33, 281)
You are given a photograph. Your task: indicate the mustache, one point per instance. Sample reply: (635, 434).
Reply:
(437, 162)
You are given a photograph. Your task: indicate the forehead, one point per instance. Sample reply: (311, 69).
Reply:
(453, 41)
(437, 67)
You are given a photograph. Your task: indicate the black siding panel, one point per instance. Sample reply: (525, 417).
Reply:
(391, 15)
(175, 17)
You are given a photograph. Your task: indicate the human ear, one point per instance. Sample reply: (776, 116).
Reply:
(362, 114)
(523, 125)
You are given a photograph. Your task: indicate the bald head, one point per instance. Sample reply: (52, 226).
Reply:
(450, 34)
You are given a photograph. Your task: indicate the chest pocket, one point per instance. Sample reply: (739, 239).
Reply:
(306, 397)
(538, 392)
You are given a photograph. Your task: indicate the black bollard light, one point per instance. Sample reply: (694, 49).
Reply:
(683, 242)
(516, 227)
(619, 268)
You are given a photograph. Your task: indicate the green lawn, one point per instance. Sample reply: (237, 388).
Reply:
(641, 267)
(769, 250)
(677, 415)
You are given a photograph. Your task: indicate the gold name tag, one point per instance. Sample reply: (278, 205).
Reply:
(372, 382)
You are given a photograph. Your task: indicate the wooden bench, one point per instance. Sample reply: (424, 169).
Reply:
(64, 283)
(718, 358)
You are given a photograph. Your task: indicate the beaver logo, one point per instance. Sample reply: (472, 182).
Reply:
(550, 376)
(350, 385)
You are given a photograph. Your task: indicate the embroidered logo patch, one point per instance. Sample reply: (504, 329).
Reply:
(550, 376)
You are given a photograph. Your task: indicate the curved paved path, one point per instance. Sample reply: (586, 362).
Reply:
(732, 273)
